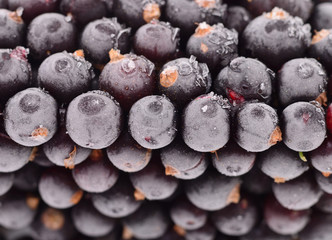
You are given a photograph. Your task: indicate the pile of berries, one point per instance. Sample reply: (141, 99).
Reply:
(165, 119)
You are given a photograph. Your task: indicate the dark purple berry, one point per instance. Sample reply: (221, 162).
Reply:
(276, 37)
(12, 28)
(214, 45)
(184, 79)
(94, 120)
(303, 126)
(31, 117)
(50, 33)
(205, 123)
(65, 75)
(245, 79)
(107, 33)
(256, 127)
(128, 78)
(152, 122)
(157, 41)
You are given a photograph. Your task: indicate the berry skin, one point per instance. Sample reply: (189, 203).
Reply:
(151, 182)
(324, 182)
(214, 45)
(256, 127)
(33, 8)
(236, 219)
(88, 221)
(275, 38)
(84, 11)
(31, 117)
(50, 33)
(238, 18)
(157, 41)
(262, 232)
(309, 81)
(15, 72)
(232, 160)
(256, 182)
(136, 13)
(3, 3)
(205, 123)
(62, 151)
(183, 79)
(213, 191)
(304, 127)
(182, 162)
(94, 120)
(96, 174)
(128, 78)
(27, 178)
(281, 164)
(128, 156)
(298, 194)
(185, 14)
(321, 157)
(321, 17)
(284, 221)
(319, 226)
(107, 33)
(152, 122)
(149, 222)
(207, 232)
(329, 118)
(65, 76)
(52, 223)
(58, 189)
(245, 79)
(298, 8)
(324, 204)
(119, 201)
(320, 47)
(17, 209)
(187, 216)
(6, 182)
(12, 29)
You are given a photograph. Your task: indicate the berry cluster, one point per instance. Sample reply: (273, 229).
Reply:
(165, 119)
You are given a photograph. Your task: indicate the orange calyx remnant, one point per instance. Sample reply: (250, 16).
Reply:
(76, 197)
(126, 233)
(17, 15)
(151, 11)
(96, 154)
(202, 29)
(320, 35)
(79, 53)
(326, 174)
(70, 161)
(234, 196)
(206, 3)
(279, 180)
(115, 55)
(276, 136)
(171, 171)
(204, 48)
(277, 14)
(53, 219)
(139, 196)
(322, 99)
(179, 230)
(33, 154)
(169, 76)
(40, 133)
(244, 203)
(32, 201)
